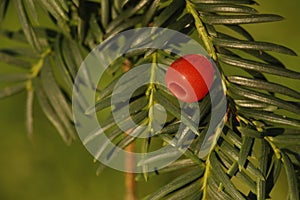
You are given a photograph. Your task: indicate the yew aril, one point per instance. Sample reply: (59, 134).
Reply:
(190, 77)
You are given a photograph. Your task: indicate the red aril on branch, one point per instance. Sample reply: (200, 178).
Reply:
(190, 77)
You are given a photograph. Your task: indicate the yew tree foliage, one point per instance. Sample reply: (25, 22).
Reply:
(261, 133)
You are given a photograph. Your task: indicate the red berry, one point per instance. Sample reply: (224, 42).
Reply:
(190, 77)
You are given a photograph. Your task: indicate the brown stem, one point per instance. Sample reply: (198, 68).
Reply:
(129, 177)
(129, 161)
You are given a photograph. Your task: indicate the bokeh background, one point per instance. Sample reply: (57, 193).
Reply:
(46, 168)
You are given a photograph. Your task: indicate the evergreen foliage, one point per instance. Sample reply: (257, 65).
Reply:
(262, 126)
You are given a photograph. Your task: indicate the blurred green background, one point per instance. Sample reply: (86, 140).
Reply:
(46, 168)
